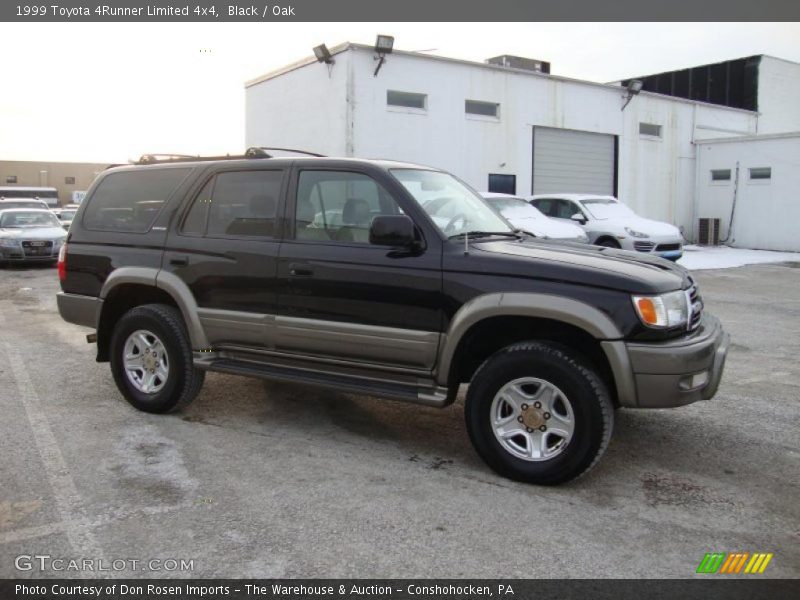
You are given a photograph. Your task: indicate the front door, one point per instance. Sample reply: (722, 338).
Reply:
(342, 297)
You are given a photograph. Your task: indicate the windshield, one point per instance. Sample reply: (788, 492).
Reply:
(516, 207)
(453, 207)
(28, 219)
(606, 208)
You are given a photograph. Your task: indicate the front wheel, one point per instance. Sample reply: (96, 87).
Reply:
(151, 359)
(536, 413)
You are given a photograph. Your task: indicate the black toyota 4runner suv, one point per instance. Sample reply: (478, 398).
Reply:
(386, 279)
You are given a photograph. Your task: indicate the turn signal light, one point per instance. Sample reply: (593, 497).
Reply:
(647, 310)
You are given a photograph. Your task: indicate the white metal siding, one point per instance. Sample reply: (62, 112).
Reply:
(570, 161)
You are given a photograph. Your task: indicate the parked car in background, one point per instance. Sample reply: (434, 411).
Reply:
(528, 218)
(65, 215)
(30, 234)
(609, 222)
(22, 203)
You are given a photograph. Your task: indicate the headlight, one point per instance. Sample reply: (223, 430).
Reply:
(664, 311)
(9, 243)
(636, 234)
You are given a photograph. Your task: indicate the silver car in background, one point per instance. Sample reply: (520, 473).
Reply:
(526, 217)
(30, 235)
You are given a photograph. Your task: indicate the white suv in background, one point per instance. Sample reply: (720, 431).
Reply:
(609, 222)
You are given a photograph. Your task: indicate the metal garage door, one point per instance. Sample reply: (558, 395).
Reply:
(572, 161)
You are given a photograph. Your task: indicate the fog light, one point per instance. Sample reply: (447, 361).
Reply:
(693, 382)
(700, 379)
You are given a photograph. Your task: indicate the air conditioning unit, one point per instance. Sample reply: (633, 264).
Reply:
(708, 232)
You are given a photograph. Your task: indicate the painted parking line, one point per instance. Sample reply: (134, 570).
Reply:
(68, 501)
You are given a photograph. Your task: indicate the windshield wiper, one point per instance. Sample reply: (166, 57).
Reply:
(482, 234)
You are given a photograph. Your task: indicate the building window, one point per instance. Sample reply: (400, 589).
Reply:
(484, 109)
(502, 184)
(720, 174)
(11, 179)
(650, 129)
(761, 173)
(69, 180)
(406, 99)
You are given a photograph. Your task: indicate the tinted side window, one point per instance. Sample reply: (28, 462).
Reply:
(546, 206)
(566, 209)
(130, 201)
(245, 203)
(339, 206)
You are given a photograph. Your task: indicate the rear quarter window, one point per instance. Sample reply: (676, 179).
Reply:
(130, 201)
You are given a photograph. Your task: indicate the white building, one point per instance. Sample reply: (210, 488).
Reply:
(754, 183)
(507, 129)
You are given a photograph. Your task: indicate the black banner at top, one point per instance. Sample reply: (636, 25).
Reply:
(396, 10)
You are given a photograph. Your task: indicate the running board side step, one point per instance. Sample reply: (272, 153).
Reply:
(427, 394)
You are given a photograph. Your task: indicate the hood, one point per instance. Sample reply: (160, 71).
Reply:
(582, 264)
(33, 233)
(648, 226)
(548, 228)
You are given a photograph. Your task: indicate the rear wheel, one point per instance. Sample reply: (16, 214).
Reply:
(151, 359)
(537, 413)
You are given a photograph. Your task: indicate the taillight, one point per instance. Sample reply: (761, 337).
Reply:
(62, 262)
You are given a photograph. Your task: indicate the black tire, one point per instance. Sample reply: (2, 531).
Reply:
(587, 395)
(183, 381)
(608, 243)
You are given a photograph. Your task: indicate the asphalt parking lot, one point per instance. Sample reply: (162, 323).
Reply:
(262, 480)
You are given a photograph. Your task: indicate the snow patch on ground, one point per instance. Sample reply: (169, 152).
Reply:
(724, 257)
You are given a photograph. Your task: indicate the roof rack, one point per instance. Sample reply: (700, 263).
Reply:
(150, 159)
(254, 152)
(261, 151)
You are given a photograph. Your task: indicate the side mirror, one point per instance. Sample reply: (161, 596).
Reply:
(392, 230)
(579, 218)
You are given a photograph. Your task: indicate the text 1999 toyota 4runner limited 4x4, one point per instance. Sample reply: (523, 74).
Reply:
(380, 278)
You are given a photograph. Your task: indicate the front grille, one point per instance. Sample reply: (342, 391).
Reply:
(695, 307)
(667, 247)
(37, 247)
(643, 246)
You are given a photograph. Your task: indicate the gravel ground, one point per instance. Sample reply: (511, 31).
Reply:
(262, 480)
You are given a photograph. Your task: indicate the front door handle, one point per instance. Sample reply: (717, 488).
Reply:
(300, 271)
(179, 261)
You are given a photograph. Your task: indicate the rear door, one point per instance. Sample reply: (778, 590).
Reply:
(224, 246)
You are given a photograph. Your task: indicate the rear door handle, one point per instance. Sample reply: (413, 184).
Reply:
(179, 261)
(300, 271)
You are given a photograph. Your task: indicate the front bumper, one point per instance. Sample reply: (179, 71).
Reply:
(14, 255)
(672, 373)
(663, 246)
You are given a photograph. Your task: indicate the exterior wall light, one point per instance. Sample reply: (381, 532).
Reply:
(323, 54)
(383, 46)
(634, 87)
